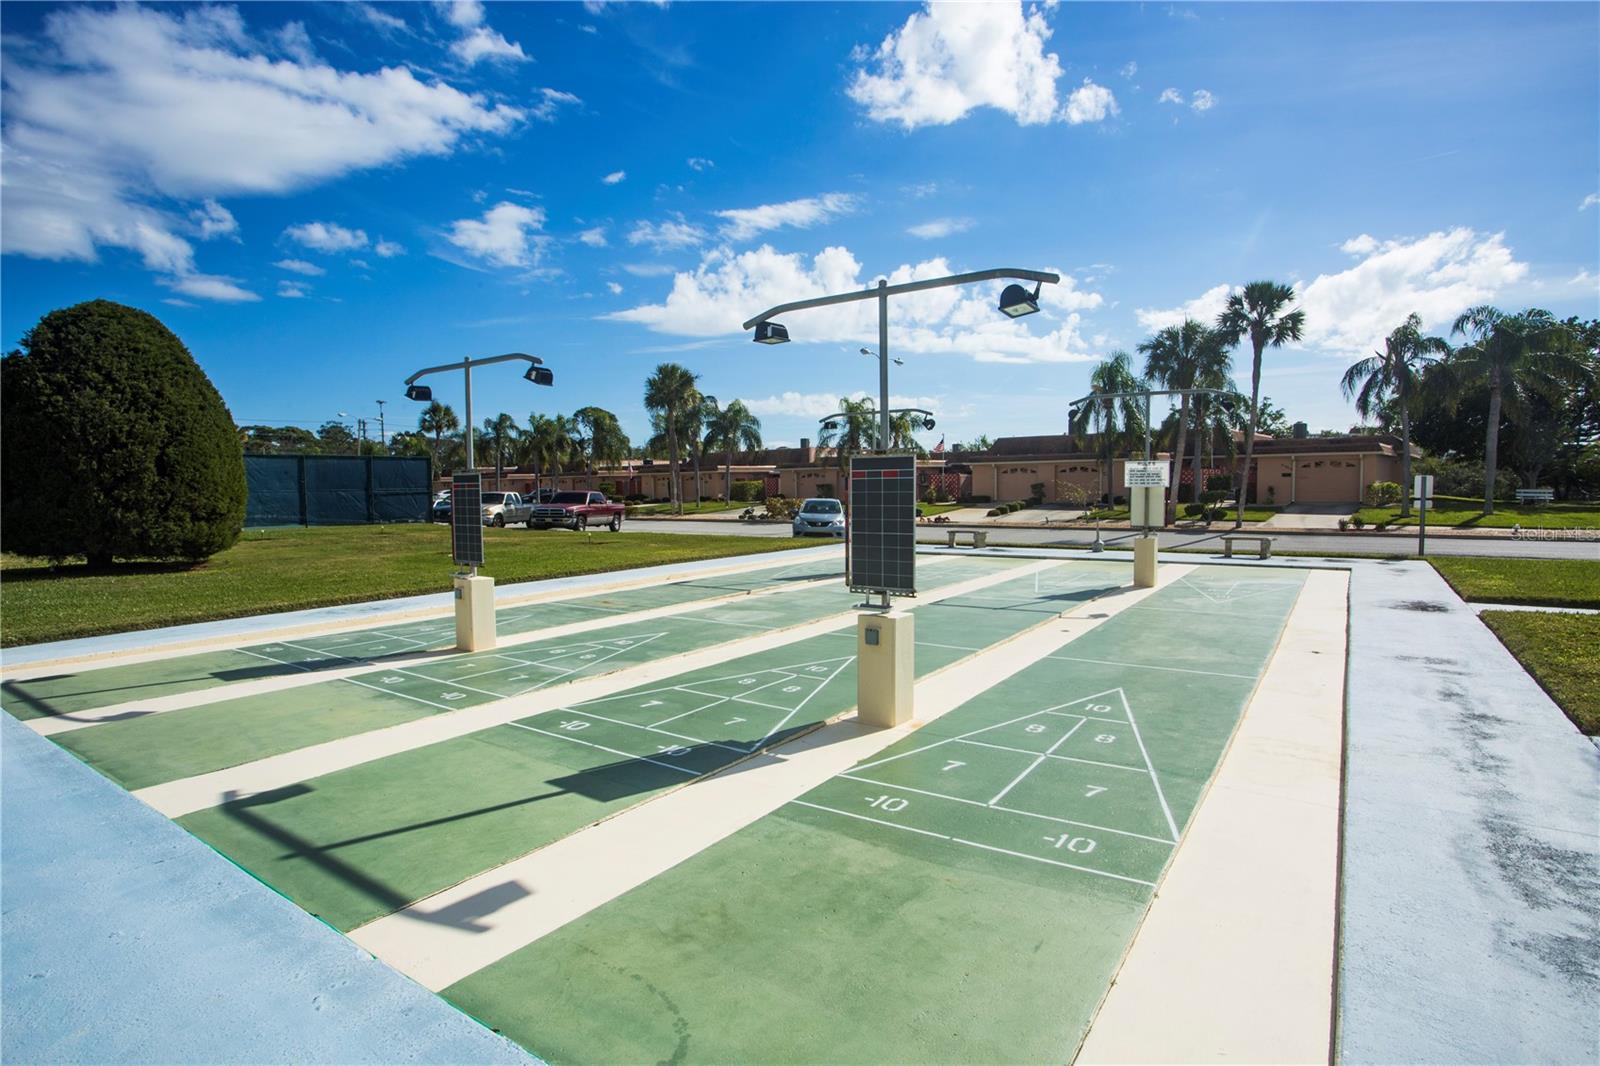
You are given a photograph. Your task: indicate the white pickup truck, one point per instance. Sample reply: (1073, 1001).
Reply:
(505, 508)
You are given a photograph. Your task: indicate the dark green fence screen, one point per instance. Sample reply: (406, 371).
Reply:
(336, 490)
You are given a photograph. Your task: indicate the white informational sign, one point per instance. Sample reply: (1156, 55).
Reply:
(1147, 505)
(1146, 473)
(1422, 487)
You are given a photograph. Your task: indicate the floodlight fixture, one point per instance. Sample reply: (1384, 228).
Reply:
(1016, 301)
(540, 375)
(927, 423)
(771, 333)
(420, 393)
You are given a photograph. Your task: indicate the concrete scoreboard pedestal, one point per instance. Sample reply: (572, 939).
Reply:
(474, 613)
(1144, 561)
(885, 668)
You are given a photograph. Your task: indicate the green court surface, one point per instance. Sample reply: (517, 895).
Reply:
(965, 895)
(143, 751)
(354, 845)
(84, 689)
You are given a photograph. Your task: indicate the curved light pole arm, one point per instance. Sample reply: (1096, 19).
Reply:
(911, 286)
(465, 363)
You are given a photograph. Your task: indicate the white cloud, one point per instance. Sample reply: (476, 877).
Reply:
(949, 59)
(713, 299)
(746, 222)
(1583, 280)
(1589, 201)
(295, 41)
(549, 101)
(300, 266)
(292, 290)
(649, 270)
(616, 290)
(210, 287)
(666, 236)
(462, 14)
(594, 238)
(120, 119)
(822, 404)
(175, 302)
(1199, 100)
(940, 227)
(697, 164)
(361, 264)
(1437, 276)
(1129, 69)
(1090, 103)
(507, 235)
(614, 178)
(380, 20)
(211, 220)
(1203, 308)
(327, 237)
(484, 43)
(388, 249)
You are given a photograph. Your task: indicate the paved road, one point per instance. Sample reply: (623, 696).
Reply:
(1288, 540)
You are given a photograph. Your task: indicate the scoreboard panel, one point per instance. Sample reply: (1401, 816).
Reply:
(883, 524)
(466, 519)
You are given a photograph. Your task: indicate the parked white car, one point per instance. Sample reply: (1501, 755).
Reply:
(819, 517)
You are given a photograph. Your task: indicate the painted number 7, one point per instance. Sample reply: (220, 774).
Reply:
(952, 764)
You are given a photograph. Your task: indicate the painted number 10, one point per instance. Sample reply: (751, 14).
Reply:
(1081, 845)
(887, 803)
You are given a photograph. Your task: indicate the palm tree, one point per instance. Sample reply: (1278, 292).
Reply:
(607, 443)
(1394, 375)
(1260, 312)
(549, 445)
(1172, 359)
(502, 430)
(670, 392)
(1111, 419)
(854, 429)
(732, 429)
(1213, 370)
(1512, 355)
(438, 419)
(696, 422)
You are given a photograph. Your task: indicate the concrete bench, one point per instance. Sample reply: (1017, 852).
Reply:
(980, 537)
(1263, 544)
(1536, 495)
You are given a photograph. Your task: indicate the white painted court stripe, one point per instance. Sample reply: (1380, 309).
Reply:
(612, 751)
(177, 798)
(585, 869)
(1061, 758)
(1149, 666)
(1037, 762)
(1056, 862)
(875, 821)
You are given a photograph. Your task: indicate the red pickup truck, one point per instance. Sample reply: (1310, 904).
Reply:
(576, 511)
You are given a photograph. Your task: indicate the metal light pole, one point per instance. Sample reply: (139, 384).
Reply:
(537, 373)
(383, 438)
(1014, 302)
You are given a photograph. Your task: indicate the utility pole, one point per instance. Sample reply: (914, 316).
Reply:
(383, 438)
(361, 446)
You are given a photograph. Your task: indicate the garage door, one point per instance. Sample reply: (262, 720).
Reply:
(1016, 483)
(1328, 481)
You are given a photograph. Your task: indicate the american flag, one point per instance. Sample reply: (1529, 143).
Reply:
(937, 448)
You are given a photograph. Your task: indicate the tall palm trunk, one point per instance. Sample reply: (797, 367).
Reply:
(1199, 446)
(697, 493)
(1491, 442)
(728, 490)
(1243, 480)
(1177, 464)
(674, 495)
(1405, 459)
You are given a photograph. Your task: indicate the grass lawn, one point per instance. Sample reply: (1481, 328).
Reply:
(1466, 513)
(928, 510)
(1121, 514)
(1559, 651)
(288, 569)
(704, 507)
(1540, 582)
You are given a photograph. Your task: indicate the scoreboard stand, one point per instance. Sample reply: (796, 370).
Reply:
(474, 592)
(882, 562)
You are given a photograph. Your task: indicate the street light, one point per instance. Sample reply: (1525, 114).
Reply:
(830, 422)
(1015, 304)
(869, 351)
(537, 373)
(1016, 301)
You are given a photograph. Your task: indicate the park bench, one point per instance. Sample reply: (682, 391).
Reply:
(980, 537)
(1263, 544)
(1536, 495)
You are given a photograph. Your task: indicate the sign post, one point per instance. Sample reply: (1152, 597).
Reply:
(474, 593)
(882, 543)
(1146, 481)
(1422, 495)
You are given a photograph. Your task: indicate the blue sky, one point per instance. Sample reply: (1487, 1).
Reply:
(319, 198)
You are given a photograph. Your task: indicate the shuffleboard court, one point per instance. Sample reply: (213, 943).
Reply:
(357, 844)
(966, 895)
(80, 689)
(143, 751)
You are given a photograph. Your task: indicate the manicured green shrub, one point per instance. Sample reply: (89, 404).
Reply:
(1382, 494)
(116, 443)
(748, 491)
(1036, 491)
